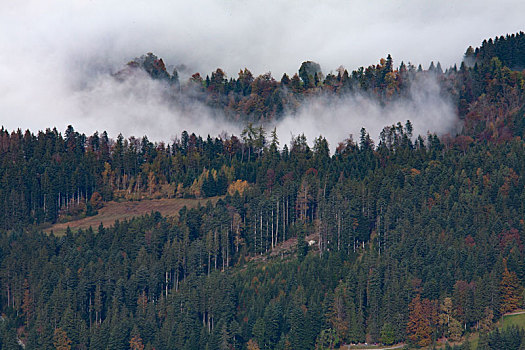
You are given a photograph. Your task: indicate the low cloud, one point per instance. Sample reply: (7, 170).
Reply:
(139, 105)
(335, 118)
(56, 55)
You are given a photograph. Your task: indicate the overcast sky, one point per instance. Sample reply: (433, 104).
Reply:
(54, 53)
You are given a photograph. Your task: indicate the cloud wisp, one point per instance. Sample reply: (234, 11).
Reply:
(335, 118)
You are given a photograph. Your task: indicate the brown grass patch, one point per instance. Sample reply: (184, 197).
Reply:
(113, 211)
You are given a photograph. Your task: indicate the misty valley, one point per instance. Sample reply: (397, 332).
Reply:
(394, 217)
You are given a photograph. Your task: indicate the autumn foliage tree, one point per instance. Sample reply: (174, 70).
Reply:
(451, 326)
(511, 290)
(252, 345)
(27, 302)
(422, 320)
(135, 343)
(61, 340)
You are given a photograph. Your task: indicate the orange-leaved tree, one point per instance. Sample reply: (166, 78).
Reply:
(422, 320)
(511, 290)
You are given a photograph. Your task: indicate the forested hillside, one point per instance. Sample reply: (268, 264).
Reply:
(412, 238)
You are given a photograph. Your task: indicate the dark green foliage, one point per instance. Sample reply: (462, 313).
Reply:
(310, 72)
(512, 338)
(425, 221)
(510, 49)
(8, 335)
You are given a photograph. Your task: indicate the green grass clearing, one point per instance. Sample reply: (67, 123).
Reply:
(513, 320)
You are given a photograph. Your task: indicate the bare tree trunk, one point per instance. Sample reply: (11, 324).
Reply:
(277, 226)
(272, 229)
(319, 235)
(339, 231)
(166, 284)
(214, 248)
(89, 308)
(266, 243)
(261, 234)
(379, 230)
(209, 261)
(286, 214)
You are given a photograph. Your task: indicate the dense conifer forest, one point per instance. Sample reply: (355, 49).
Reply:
(411, 239)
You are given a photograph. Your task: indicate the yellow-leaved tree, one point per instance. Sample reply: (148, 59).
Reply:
(60, 340)
(238, 186)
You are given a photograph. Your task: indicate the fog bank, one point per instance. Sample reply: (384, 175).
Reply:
(56, 54)
(336, 118)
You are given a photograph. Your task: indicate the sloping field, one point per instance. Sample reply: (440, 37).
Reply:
(514, 319)
(113, 211)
